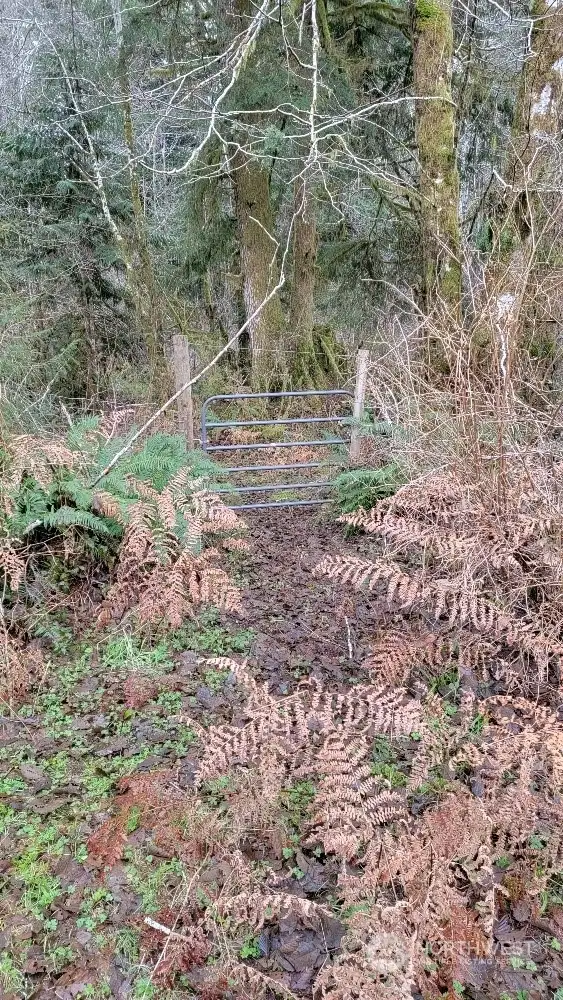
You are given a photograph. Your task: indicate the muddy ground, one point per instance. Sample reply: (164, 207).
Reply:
(108, 711)
(67, 930)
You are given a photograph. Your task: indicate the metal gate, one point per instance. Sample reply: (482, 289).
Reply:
(236, 470)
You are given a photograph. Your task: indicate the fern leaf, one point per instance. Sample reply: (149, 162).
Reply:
(66, 517)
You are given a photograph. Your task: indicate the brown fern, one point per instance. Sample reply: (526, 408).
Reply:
(349, 805)
(12, 564)
(38, 458)
(161, 576)
(323, 735)
(20, 666)
(485, 569)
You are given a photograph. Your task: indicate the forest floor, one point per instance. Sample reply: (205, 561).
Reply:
(110, 713)
(124, 708)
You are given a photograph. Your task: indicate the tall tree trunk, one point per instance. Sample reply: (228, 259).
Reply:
(530, 223)
(302, 303)
(148, 306)
(435, 137)
(258, 251)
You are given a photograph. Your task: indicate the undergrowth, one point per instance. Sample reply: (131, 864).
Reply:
(141, 532)
(365, 487)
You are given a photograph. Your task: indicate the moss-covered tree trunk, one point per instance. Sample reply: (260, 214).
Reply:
(435, 137)
(148, 306)
(528, 231)
(302, 304)
(260, 271)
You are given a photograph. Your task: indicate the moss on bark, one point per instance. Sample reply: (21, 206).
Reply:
(435, 135)
(302, 305)
(258, 252)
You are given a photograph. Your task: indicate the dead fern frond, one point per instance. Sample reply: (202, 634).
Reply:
(106, 503)
(19, 667)
(158, 801)
(252, 910)
(364, 573)
(211, 509)
(458, 827)
(381, 968)
(163, 573)
(176, 952)
(494, 573)
(236, 544)
(256, 983)
(12, 564)
(38, 458)
(216, 587)
(349, 806)
(321, 735)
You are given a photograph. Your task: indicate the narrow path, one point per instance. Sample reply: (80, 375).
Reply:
(113, 717)
(304, 624)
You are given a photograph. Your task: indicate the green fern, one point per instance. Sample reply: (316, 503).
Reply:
(67, 505)
(365, 487)
(160, 458)
(81, 436)
(71, 517)
(75, 490)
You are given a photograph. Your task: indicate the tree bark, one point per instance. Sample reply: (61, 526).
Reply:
(182, 376)
(148, 307)
(258, 251)
(302, 303)
(530, 223)
(435, 137)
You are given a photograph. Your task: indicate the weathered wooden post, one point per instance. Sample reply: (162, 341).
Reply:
(362, 360)
(182, 375)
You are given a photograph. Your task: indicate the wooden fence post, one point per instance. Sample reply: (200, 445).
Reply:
(182, 375)
(362, 360)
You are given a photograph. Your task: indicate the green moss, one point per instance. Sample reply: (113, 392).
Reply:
(450, 282)
(431, 12)
(320, 361)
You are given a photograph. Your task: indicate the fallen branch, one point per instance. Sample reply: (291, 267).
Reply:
(165, 930)
(123, 451)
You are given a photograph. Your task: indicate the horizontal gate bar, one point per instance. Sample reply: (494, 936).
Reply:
(282, 420)
(279, 395)
(273, 486)
(276, 444)
(277, 503)
(275, 468)
(269, 488)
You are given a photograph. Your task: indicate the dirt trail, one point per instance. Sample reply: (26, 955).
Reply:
(114, 711)
(304, 624)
